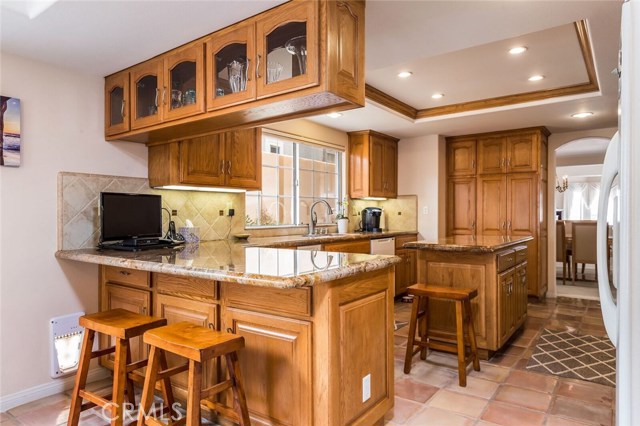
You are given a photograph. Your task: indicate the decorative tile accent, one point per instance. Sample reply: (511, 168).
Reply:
(570, 355)
(79, 194)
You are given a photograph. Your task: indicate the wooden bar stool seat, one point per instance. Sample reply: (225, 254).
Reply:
(462, 299)
(121, 325)
(197, 344)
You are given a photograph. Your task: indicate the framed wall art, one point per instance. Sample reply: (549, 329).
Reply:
(9, 131)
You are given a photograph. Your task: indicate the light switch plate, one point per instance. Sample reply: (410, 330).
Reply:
(366, 388)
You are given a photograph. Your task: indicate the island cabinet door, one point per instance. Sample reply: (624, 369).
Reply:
(276, 366)
(520, 291)
(131, 299)
(507, 306)
(178, 309)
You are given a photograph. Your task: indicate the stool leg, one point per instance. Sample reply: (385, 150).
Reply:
(131, 394)
(149, 385)
(239, 398)
(193, 394)
(423, 329)
(462, 367)
(167, 392)
(119, 381)
(412, 334)
(472, 334)
(81, 377)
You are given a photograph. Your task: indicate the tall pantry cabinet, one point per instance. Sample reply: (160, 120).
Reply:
(497, 185)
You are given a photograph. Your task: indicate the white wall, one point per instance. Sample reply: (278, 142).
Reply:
(421, 172)
(62, 130)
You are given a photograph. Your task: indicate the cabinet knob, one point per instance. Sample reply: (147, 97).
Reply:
(125, 273)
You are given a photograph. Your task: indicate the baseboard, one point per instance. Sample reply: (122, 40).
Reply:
(56, 386)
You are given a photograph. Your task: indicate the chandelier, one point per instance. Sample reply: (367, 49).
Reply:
(561, 187)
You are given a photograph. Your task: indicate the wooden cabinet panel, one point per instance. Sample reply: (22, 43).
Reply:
(400, 273)
(522, 190)
(506, 304)
(276, 360)
(461, 158)
(358, 166)
(243, 154)
(202, 161)
(188, 287)
(373, 165)
(177, 309)
(147, 94)
(377, 177)
(116, 109)
(461, 206)
(134, 300)
(402, 239)
(492, 205)
(522, 153)
(520, 292)
(362, 246)
(492, 155)
(390, 169)
(133, 277)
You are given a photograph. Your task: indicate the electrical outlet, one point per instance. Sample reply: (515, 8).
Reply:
(366, 388)
(399, 213)
(232, 212)
(221, 212)
(425, 210)
(174, 212)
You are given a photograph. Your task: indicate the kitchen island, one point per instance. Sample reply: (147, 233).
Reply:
(494, 265)
(318, 326)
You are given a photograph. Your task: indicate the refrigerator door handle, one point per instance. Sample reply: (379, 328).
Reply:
(610, 170)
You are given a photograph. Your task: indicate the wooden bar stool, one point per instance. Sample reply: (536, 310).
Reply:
(122, 325)
(462, 299)
(198, 345)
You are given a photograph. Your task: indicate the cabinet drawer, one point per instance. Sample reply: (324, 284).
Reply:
(506, 260)
(363, 247)
(128, 276)
(521, 254)
(189, 287)
(400, 240)
(296, 301)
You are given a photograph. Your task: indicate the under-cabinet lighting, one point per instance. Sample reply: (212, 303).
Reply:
(405, 74)
(536, 77)
(581, 114)
(437, 96)
(517, 50)
(374, 198)
(197, 188)
(334, 115)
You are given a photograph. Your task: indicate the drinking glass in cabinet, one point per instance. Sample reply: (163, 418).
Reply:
(183, 78)
(231, 69)
(287, 46)
(274, 69)
(297, 46)
(237, 71)
(189, 97)
(147, 96)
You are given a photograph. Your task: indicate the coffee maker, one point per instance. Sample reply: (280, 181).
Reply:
(371, 219)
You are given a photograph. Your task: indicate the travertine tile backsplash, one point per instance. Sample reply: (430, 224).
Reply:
(79, 223)
(400, 213)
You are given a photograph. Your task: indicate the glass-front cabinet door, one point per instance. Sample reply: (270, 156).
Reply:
(116, 108)
(231, 66)
(184, 82)
(287, 50)
(146, 94)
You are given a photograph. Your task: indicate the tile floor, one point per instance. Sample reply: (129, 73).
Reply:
(502, 393)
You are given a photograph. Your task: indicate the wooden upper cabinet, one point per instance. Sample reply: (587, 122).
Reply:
(461, 206)
(147, 94)
(231, 159)
(373, 165)
(522, 190)
(183, 86)
(231, 62)
(522, 153)
(116, 108)
(492, 205)
(202, 161)
(492, 155)
(287, 48)
(461, 157)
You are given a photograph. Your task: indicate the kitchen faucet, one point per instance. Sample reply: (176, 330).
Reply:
(314, 216)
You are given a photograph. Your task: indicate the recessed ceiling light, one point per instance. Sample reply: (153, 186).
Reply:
(334, 115)
(536, 77)
(437, 96)
(405, 74)
(518, 50)
(582, 114)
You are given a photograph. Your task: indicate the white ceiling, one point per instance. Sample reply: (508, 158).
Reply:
(101, 37)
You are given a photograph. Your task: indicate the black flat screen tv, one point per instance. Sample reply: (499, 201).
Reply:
(130, 217)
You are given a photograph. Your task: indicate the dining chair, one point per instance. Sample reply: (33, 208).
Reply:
(562, 251)
(584, 245)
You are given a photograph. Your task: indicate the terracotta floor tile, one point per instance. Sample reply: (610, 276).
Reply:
(578, 410)
(402, 410)
(533, 381)
(561, 421)
(510, 415)
(504, 360)
(490, 372)
(11, 422)
(475, 387)
(414, 391)
(435, 416)
(528, 398)
(458, 403)
(432, 375)
(5, 417)
(589, 392)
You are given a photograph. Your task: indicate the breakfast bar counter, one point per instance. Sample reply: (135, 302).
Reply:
(304, 315)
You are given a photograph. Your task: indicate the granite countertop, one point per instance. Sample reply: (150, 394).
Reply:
(469, 243)
(230, 261)
(300, 240)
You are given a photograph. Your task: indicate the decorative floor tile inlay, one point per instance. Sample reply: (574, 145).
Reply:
(575, 356)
